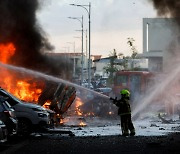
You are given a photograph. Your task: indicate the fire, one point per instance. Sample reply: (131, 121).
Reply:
(21, 88)
(47, 104)
(6, 52)
(82, 124)
(78, 103)
(26, 91)
(79, 112)
(63, 121)
(90, 114)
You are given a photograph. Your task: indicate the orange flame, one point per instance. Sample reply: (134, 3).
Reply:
(6, 52)
(21, 88)
(26, 91)
(63, 121)
(78, 103)
(10, 81)
(47, 104)
(82, 124)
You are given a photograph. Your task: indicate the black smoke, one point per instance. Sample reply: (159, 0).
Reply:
(168, 8)
(18, 25)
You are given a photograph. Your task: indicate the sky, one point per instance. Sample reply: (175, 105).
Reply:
(112, 22)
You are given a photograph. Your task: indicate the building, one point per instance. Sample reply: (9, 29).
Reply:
(159, 36)
(98, 65)
(70, 58)
(75, 60)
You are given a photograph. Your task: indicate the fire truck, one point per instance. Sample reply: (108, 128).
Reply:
(143, 83)
(135, 81)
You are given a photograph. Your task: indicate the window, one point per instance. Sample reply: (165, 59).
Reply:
(135, 83)
(122, 80)
(136, 79)
(11, 100)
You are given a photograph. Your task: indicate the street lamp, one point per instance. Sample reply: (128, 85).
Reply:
(66, 48)
(86, 59)
(74, 61)
(89, 17)
(80, 19)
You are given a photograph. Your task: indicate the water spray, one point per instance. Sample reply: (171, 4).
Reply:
(50, 77)
(158, 89)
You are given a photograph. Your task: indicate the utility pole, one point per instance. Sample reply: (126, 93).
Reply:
(89, 17)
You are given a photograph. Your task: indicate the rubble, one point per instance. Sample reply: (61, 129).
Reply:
(154, 125)
(164, 120)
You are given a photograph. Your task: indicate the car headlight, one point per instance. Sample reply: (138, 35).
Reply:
(1, 123)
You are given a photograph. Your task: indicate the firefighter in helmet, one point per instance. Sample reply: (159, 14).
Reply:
(124, 112)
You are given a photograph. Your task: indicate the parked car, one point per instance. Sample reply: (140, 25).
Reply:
(85, 84)
(7, 115)
(30, 116)
(3, 132)
(102, 82)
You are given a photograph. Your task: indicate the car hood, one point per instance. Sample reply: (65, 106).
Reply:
(31, 105)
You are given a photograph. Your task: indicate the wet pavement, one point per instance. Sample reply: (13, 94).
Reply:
(56, 143)
(98, 136)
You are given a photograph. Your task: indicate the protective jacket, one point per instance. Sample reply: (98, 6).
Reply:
(124, 106)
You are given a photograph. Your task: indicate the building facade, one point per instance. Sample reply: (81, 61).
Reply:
(159, 36)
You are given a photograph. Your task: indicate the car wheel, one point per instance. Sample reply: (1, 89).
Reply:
(24, 127)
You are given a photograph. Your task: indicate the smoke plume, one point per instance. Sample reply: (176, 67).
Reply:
(166, 87)
(18, 25)
(168, 8)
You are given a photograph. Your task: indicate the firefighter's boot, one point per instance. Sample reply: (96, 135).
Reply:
(132, 132)
(125, 133)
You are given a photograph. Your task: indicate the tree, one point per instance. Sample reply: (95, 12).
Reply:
(111, 68)
(133, 49)
(130, 42)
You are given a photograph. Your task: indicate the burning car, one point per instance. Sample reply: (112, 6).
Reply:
(26, 48)
(29, 116)
(53, 95)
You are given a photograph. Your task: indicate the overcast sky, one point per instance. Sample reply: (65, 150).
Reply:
(112, 22)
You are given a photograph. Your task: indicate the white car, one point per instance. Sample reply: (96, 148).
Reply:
(3, 132)
(85, 84)
(30, 116)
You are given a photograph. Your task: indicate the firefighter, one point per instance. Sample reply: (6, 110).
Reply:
(124, 112)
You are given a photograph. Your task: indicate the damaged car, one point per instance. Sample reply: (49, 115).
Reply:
(30, 116)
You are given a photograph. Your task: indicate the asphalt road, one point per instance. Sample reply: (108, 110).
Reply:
(56, 143)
